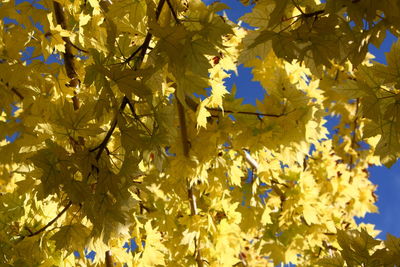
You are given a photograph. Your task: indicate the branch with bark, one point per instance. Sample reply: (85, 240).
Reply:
(191, 195)
(68, 55)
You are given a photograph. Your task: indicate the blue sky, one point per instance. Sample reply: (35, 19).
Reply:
(388, 180)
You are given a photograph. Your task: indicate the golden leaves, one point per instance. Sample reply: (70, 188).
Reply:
(153, 253)
(202, 114)
(56, 35)
(286, 199)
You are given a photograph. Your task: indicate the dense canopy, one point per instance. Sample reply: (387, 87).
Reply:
(130, 143)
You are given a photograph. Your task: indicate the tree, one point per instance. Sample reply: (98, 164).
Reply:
(134, 135)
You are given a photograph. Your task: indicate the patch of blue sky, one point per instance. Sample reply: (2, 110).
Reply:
(34, 3)
(130, 246)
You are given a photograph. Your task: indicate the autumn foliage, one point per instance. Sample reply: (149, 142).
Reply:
(133, 136)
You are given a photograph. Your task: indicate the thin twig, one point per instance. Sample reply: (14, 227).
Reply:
(307, 15)
(288, 26)
(253, 163)
(15, 91)
(298, 7)
(243, 259)
(173, 12)
(77, 47)
(388, 91)
(137, 49)
(136, 117)
(52, 221)
(146, 41)
(193, 106)
(313, 14)
(249, 112)
(103, 144)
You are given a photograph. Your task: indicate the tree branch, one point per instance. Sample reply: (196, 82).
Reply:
(253, 163)
(191, 195)
(68, 56)
(141, 48)
(109, 259)
(52, 221)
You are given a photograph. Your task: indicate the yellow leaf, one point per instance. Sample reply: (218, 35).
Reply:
(189, 239)
(266, 216)
(153, 253)
(202, 114)
(236, 174)
(310, 214)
